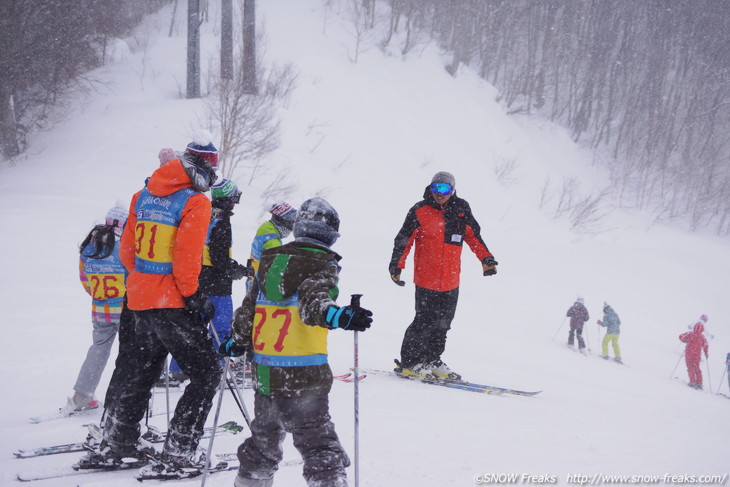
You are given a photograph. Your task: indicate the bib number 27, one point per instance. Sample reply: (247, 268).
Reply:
(280, 315)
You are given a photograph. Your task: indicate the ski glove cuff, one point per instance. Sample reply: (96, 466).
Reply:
(489, 266)
(229, 348)
(348, 317)
(200, 306)
(396, 279)
(395, 275)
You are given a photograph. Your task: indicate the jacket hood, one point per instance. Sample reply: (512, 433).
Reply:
(168, 178)
(699, 327)
(284, 268)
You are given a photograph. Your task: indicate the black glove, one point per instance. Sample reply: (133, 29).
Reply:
(237, 271)
(395, 275)
(200, 306)
(250, 271)
(229, 348)
(489, 266)
(352, 318)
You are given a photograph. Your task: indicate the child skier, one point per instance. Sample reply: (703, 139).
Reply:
(696, 344)
(103, 277)
(219, 269)
(271, 233)
(613, 329)
(295, 288)
(578, 316)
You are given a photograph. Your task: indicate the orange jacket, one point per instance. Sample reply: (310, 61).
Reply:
(438, 234)
(153, 291)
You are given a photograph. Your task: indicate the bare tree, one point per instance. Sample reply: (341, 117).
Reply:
(46, 48)
(249, 123)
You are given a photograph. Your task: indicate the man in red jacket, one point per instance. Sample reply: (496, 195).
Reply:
(696, 344)
(438, 226)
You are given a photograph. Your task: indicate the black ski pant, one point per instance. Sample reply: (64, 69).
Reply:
(124, 356)
(576, 330)
(307, 418)
(156, 333)
(425, 338)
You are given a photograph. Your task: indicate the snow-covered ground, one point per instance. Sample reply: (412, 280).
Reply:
(368, 136)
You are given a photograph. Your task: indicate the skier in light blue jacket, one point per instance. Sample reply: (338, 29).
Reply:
(613, 329)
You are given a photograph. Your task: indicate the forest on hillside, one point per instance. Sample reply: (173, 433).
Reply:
(645, 83)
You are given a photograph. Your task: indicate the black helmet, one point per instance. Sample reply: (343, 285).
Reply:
(317, 220)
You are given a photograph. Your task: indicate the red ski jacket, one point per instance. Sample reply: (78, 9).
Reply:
(438, 234)
(695, 340)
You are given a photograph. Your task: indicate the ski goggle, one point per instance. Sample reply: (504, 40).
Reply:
(441, 188)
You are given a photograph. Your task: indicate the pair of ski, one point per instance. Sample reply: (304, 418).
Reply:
(449, 383)
(226, 462)
(186, 473)
(231, 427)
(587, 353)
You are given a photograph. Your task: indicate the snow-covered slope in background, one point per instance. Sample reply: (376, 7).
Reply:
(368, 137)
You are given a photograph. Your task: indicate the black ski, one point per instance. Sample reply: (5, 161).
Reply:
(230, 427)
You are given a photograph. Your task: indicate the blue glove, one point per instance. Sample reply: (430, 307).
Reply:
(352, 318)
(229, 348)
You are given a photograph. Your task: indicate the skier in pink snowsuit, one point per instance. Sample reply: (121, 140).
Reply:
(696, 344)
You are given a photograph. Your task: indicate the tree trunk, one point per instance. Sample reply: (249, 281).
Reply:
(193, 74)
(249, 47)
(227, 39)
(8, 139)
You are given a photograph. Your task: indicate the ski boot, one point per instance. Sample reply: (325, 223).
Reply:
(105, 458)
(79, 402)
(442, 371)
(173, 467)
(418, 371)
(93, 437)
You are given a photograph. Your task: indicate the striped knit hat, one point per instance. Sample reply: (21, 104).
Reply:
(202, 145)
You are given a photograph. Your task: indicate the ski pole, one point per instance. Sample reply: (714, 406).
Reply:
(559, 328)
(675, 367)
(709, 380)
(237, 396)
(721, 381)
(355, 302)
(215, 421)
(167, 391)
